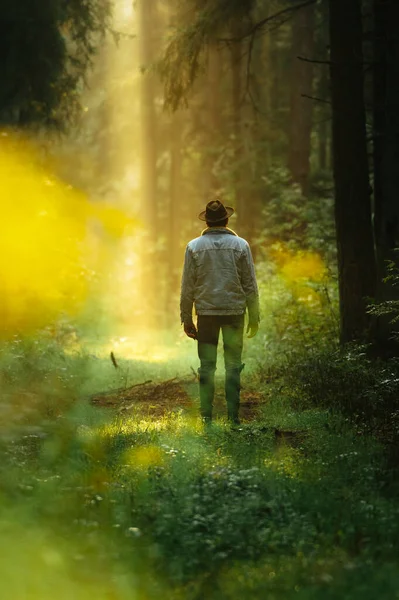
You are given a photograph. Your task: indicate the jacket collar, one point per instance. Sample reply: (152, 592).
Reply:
(213, 230)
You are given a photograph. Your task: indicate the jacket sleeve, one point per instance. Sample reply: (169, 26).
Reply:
(187, 288)
(250, 286)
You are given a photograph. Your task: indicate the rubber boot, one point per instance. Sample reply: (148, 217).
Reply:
(207, 392)
(232, 389)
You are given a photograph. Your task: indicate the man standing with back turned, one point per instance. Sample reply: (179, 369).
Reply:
(219, 278)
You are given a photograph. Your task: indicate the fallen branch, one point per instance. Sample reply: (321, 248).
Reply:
(117, 392)
(114, 360)
(136, 385)
(166, 383)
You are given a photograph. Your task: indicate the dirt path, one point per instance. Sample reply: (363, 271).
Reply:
(151, 399)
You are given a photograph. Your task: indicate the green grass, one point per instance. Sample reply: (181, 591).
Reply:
(295, 505)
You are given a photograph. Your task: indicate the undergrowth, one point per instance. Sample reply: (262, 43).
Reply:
(298, 504)
(292, 505)
(348, 382)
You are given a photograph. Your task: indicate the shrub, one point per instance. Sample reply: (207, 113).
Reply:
(349, 382)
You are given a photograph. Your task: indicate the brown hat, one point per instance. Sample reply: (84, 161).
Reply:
(215, 212)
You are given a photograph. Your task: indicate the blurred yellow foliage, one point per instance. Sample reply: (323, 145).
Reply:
(51, 240)
(299, 270)
(295, 267)
(144, 457)
(304, 265)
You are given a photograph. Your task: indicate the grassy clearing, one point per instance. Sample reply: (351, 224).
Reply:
(293, 505)
(95, 502)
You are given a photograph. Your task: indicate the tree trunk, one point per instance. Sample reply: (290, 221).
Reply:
(100, 79)
(323, 143)
(386, 148)
(257, 138)
(174, 253)
(236, 69)
(148, 117)
(324, 116)
(266, 91)
(213, 127)
(356, 258)
(303, 44)
(386, 128)
(324, 113)
(148, 150)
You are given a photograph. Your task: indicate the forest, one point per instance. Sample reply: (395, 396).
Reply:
(119, 121)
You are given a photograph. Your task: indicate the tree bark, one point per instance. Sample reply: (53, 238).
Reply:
(148, 150)
(174, 253)
(324, 112)
(148, 117)
(386, 150)
(213, 126)
(257, 138)
(303, 44)
(236, 70)
(386, 128)
(355, 244)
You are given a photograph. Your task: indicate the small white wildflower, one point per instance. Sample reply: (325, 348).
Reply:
(133, 532)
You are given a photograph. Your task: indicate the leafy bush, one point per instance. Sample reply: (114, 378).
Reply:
(388, 310)
(289, 218)
(299, 308)
(349, 382)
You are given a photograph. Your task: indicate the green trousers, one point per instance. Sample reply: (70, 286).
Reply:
(209, 327)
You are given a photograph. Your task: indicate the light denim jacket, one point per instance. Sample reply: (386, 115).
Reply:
(219, 276)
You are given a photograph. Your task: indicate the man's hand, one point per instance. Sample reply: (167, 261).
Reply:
(190, 330)
(252, 329)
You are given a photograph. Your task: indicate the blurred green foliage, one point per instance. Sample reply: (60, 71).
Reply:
(298, 222)
(46, 65)
(388, 309)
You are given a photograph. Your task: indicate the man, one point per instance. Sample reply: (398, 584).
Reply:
(219, 279)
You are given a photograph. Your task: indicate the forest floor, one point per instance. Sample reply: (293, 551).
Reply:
(126, 496)
(176, 395)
